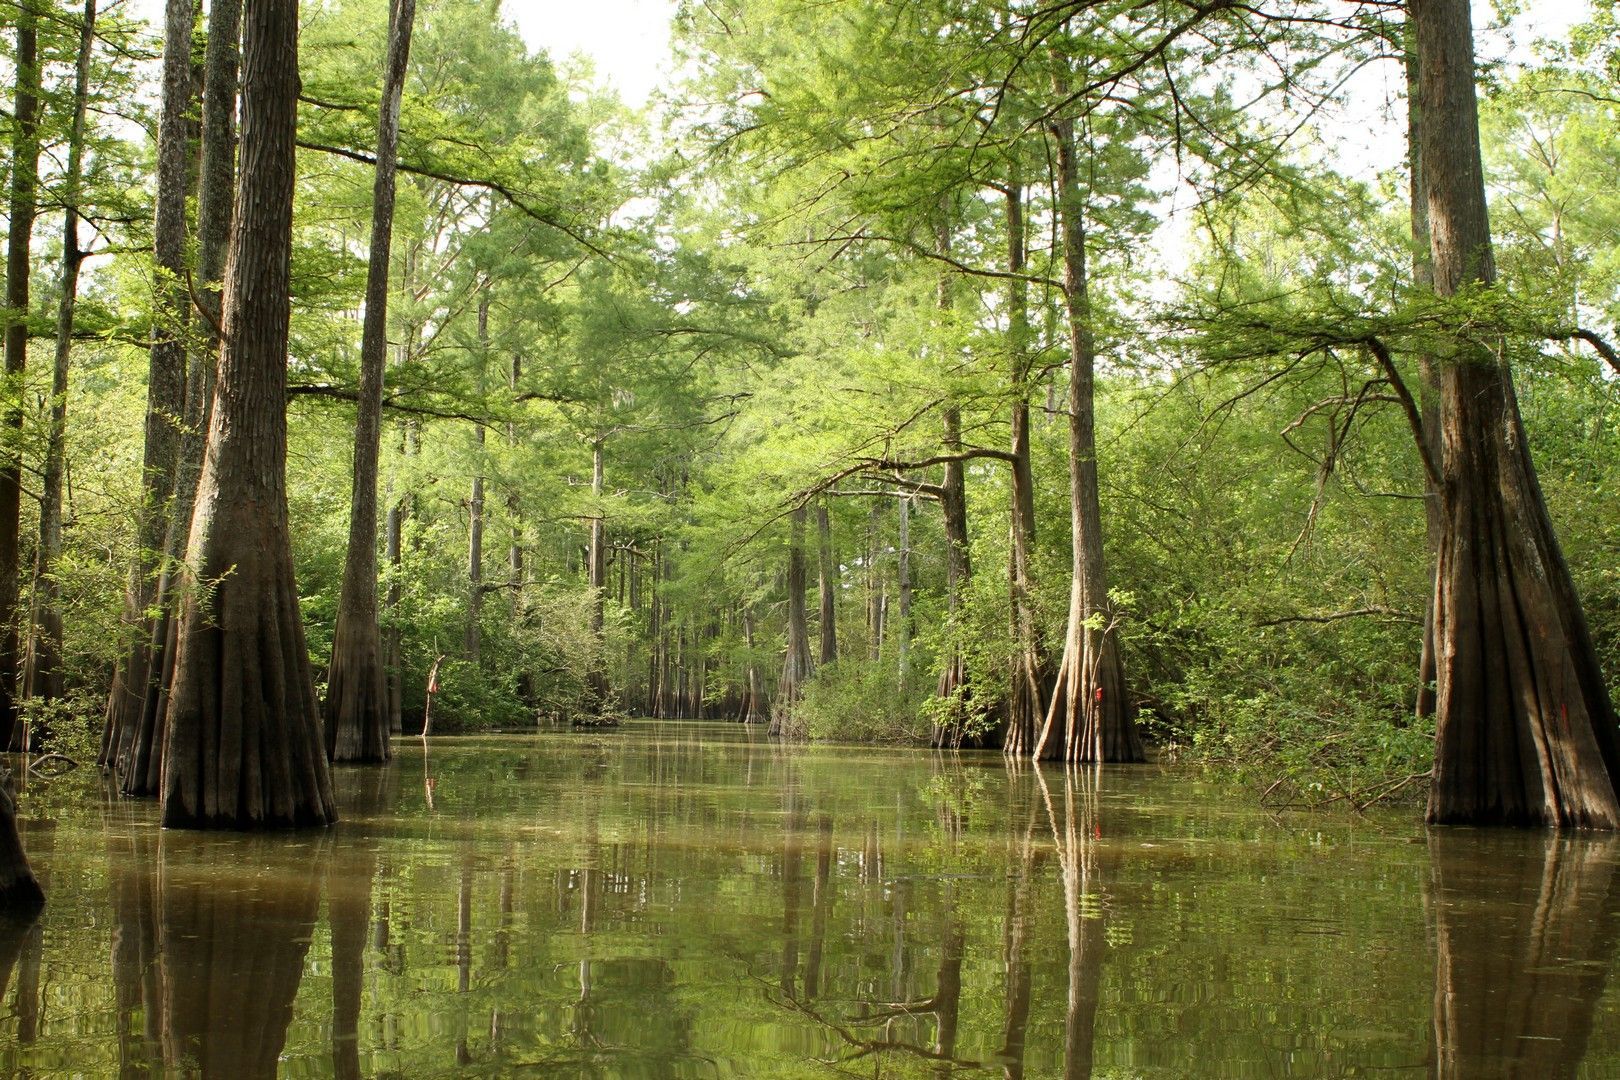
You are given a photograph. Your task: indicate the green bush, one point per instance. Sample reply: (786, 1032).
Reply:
(856, 700)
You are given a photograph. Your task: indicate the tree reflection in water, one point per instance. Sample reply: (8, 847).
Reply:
(212, 966)
(1524, 929)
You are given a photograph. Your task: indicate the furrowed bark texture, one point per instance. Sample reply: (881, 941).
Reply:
(19, 249)
(139, 759)
(1089, 696)
(356, 709)
(140, 671)
(1525, 731)
(243, 745)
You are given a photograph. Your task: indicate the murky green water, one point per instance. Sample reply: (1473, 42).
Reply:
(678, 901)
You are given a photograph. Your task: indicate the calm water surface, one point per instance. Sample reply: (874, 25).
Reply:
(679, 900)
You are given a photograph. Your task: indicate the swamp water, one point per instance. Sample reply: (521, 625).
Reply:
(690, 900)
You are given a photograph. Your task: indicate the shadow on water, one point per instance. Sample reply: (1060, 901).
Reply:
(1525, 929)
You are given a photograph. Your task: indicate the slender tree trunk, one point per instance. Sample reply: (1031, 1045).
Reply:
(1089, 694)
(139, 755)
(903, 593)
(828, 583)
(356, 710)
(1027, 702)
(243, 744)
(1525, 730)
(953, 677)
(1429, 384)
(141, 672)
(875, 600)
(754, 707)
(44, 672)
(596, 568)
(19, 252)
(796, 663)
(475, 507)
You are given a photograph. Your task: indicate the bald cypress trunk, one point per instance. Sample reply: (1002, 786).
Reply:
(1089, 696)
(43, 675)
(796, 663)
(1525, 730)
(139, 759)
(828, 585)
(1026, 703)
(141, 671)
(243, 743)
(356, 709)
(19, 252)
(1429, 386)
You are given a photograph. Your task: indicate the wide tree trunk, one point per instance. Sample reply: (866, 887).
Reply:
(43, 675)
(1525, 730)
(1089, 695)
(796, 663)
(1026, 704)
(19, 252)
(356, 709)
(243, 745)
(140, 672)
(139, 754)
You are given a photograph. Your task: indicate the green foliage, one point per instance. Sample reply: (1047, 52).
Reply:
(855, 700)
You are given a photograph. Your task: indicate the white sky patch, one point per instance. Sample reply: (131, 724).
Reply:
(627, 41)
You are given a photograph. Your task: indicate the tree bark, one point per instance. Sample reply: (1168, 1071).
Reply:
(141, 672)
(828, 584)
(138, 753)
(796, 663)
(43, 675)
(1089, 694)
(1027, 702)
(903, 594)
(473, 644)
(953, 676)
(356, 709)
(243, 743)
(1525, 731)
(19, 252)
(596, 570)
(1428, 379)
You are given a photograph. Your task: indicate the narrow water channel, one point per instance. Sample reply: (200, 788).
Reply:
(686, 900)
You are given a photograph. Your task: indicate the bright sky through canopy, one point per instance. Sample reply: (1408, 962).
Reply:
(628, 40)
